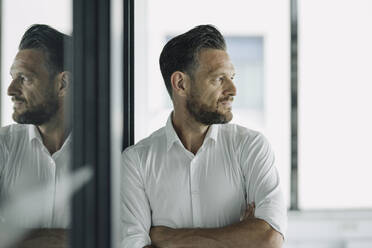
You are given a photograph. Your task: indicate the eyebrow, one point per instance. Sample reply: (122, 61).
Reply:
(24, 70)
(220, 72)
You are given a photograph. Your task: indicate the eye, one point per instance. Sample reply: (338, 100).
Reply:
(24, 79)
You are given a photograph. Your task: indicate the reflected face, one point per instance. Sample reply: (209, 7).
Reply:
(212, 89)
(33, 92)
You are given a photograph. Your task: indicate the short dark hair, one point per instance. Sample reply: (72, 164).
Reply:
(181, 52)
(51, 42)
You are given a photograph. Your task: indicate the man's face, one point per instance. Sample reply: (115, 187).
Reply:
(33, 93)
(212, 89)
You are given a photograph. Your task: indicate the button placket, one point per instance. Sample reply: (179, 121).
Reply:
(195, 197)
(49, 168)
(52, 192)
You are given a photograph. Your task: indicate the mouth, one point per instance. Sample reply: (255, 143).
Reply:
(17, 102)
(227, 102)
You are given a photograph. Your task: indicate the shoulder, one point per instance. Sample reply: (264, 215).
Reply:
(244, 142)
(13, 133)
(237, 130)
(239, 135)
(14, 129)
(10, 137)
(156, 140)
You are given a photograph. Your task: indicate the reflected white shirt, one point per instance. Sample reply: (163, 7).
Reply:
(24, 160)
(162, 183)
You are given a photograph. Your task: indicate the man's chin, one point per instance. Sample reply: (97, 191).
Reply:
(24, 118)
(17, 117)
(226, 116)
(230, 116)
(222, 118)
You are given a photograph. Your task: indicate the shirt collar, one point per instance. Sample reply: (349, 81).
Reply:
(33, 133)
(212, 133)
(173, 137)
(171, 133)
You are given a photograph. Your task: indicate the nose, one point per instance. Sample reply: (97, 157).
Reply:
(230, 88)
(13, 88)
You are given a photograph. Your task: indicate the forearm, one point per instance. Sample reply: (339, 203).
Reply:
(249, 233)
(45, 238)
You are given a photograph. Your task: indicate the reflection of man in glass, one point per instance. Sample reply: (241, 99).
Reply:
(199, 182)
(36, 150)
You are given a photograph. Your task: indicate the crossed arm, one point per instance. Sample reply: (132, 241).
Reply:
(262, 186)
(250, 232)
(45, 238)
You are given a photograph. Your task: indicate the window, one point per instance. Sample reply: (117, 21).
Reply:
(334, 104)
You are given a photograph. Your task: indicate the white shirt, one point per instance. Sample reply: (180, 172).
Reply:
(162, 183)
(25, 161)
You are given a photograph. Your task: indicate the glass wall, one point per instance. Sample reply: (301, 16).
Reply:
(37, 197)
(16, 17)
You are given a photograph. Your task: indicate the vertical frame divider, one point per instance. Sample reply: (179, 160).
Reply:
(1, 47)
(128, 63)
(294, 103)
(91, 207)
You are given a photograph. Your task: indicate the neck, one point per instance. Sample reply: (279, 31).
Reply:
(55, 132)
(190, 132)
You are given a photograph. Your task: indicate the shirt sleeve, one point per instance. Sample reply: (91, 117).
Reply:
(3, 156)
(135, 208)
(263, 183)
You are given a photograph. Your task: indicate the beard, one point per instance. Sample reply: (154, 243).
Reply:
(38, 114)
(205, 114)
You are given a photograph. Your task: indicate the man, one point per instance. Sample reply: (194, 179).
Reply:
(199, 182)
(37, 149)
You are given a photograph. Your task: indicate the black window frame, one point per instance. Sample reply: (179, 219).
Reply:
(91, 206)
(294, 204)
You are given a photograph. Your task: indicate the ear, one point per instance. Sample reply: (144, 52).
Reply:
(180, 83)
(64, 80)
